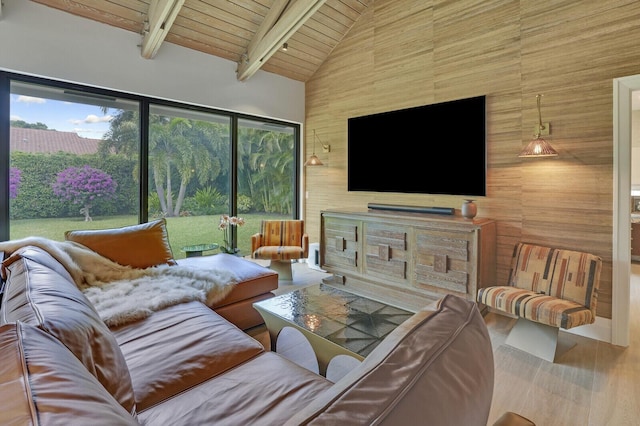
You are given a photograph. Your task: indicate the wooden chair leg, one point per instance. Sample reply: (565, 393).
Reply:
(538, 339)
(283, 268)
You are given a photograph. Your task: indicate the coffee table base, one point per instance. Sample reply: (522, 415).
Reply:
(334, 322)
(323, 349)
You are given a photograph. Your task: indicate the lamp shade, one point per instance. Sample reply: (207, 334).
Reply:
(313, 161)
(538, 148)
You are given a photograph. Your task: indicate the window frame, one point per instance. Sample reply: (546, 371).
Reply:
(144, 103)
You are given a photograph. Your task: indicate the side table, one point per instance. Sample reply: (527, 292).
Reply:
(197, 249)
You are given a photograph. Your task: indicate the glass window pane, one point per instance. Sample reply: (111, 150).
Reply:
(266, 175)
(69, 169)
(189, 169)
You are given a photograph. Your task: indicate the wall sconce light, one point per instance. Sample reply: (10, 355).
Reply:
(314, 160)
(538, 147)
(285, 47)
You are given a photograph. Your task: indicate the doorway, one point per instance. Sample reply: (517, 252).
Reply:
(623, 89)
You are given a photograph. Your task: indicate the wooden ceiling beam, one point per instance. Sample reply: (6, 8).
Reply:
(283, 19)
(160, 18)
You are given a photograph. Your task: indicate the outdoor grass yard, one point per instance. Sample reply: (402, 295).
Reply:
(183, 231)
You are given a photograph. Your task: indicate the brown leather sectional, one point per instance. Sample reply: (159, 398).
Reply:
(187, 365)
(147, 244)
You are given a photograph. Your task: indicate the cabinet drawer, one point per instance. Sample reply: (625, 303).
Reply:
(385, 251)
(341, 243)
(442, 261)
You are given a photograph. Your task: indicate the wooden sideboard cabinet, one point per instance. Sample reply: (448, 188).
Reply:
(410, 258)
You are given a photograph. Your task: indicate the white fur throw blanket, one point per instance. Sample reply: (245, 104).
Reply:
(122, 294)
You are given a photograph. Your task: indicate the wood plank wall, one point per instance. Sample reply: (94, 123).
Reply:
(404, 53)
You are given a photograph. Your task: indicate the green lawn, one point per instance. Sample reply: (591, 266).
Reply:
(183, 231)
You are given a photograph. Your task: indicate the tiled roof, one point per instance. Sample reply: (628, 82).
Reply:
(51, 141)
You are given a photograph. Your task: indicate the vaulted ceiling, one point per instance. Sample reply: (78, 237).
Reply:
(251, 33)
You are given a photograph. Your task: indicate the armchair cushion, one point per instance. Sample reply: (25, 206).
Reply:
(536, 307)
(280, 240)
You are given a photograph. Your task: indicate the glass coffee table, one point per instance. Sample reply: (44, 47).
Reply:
(334, 321)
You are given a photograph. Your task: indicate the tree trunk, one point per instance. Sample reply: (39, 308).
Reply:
(85, 211)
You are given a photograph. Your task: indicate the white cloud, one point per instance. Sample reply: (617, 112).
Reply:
(14, 117)
(30, 100)
(91, 118)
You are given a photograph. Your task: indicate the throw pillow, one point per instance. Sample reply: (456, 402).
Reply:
(139, 246)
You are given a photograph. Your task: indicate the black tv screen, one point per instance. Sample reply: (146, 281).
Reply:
(429, 149)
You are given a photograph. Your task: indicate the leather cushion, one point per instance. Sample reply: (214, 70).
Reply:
(266, 390)
(139, 246)
(41, 297)
(178, 348)
(253, 279)
(42, 383)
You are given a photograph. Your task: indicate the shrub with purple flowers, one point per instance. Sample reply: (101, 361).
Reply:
(83, 185)
(14, 182)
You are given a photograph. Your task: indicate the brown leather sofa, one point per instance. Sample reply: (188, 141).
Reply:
(187, 365)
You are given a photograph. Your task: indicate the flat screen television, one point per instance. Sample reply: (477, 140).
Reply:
(430, 149)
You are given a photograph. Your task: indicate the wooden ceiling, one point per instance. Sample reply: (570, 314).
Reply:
(248, 32)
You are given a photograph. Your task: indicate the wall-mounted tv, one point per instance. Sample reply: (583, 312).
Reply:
(430, 149)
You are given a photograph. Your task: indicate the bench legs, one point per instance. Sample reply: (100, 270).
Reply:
(538, 339)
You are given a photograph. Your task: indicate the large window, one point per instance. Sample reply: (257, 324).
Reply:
(83, 158)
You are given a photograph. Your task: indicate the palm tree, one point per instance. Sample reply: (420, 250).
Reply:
(191, 149)
(179, 149)
(266, 168)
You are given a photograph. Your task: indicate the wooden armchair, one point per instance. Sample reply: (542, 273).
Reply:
(548, 289)
(280, 241)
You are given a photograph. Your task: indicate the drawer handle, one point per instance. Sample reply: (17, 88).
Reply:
(383, 252)
(440, 263)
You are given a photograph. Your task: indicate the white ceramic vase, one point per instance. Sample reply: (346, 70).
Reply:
(469, 209)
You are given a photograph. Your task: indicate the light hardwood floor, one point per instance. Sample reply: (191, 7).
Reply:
(594, 383)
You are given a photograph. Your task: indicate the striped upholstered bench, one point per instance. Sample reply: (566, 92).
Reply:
(548, 289)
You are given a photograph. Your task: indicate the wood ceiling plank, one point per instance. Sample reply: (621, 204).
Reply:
(328, 17)
(217, 49)
(231, 14)
(310, 45)
(124, 14)
(351, 9)
(213, 28)
(257, 7)
(190, 36)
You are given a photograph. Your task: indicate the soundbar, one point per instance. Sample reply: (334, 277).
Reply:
(412, 209)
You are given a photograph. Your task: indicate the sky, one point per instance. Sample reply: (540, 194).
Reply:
(87, 121)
